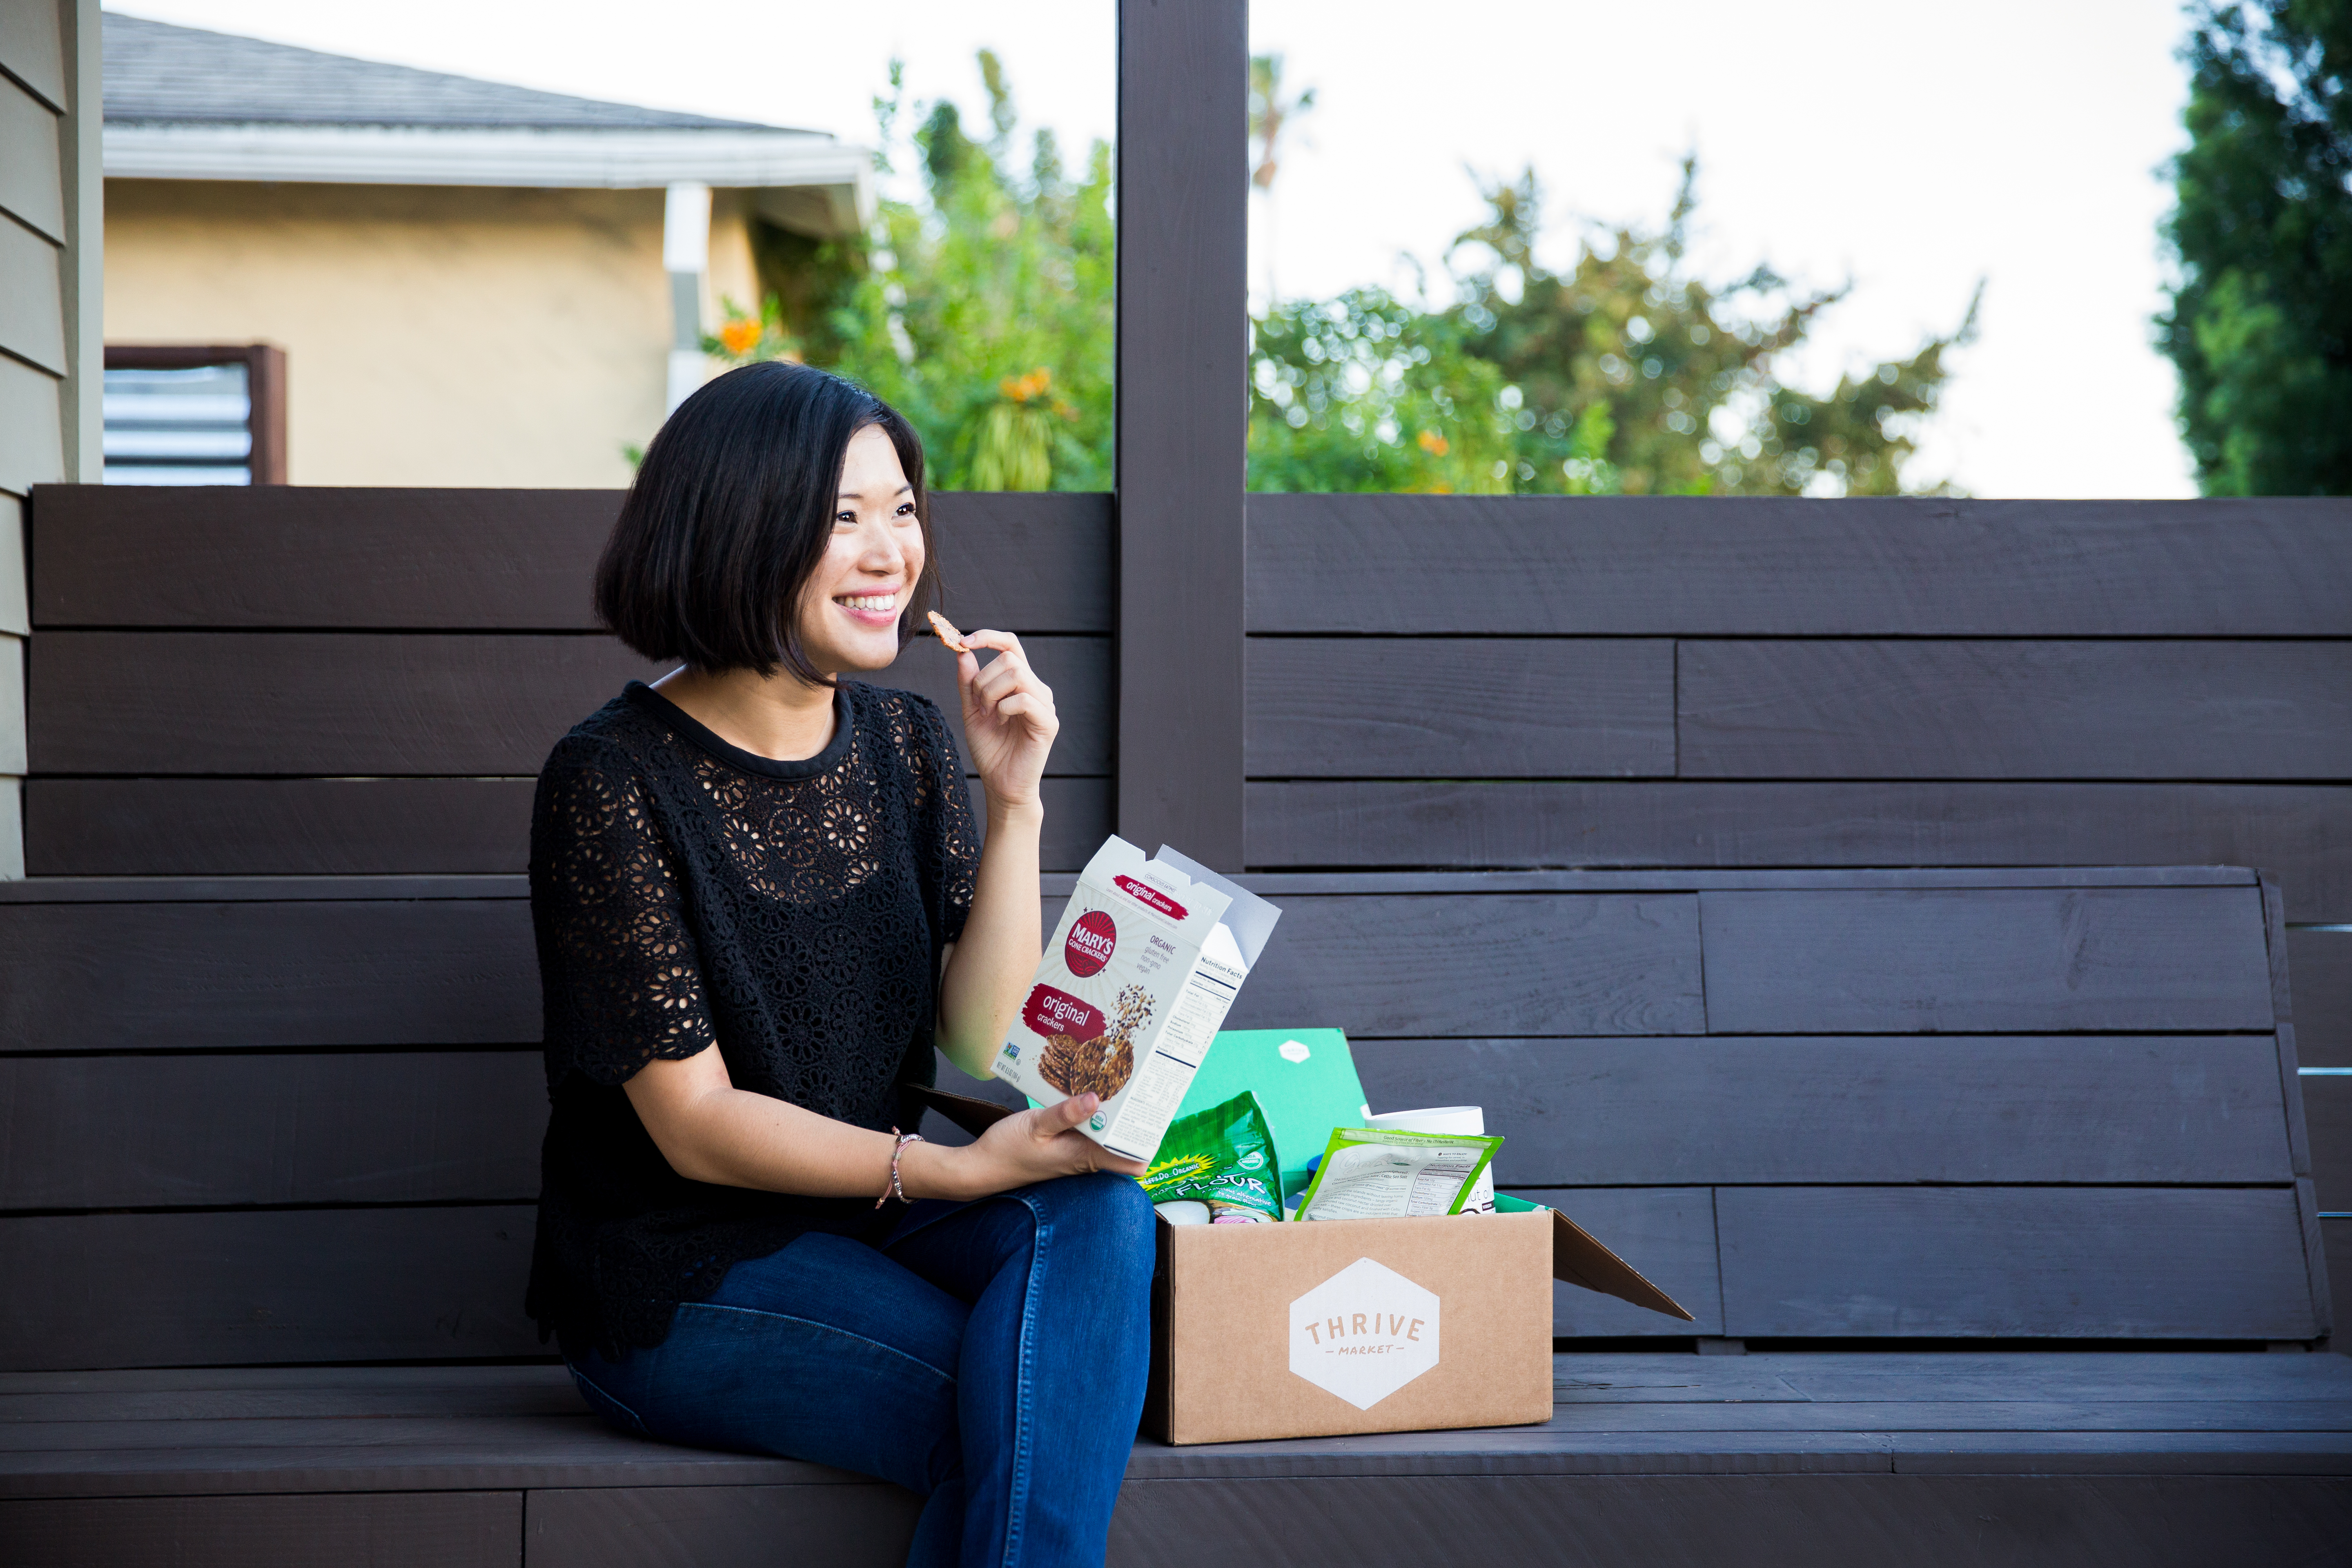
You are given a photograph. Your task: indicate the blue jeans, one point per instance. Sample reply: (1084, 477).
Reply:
(988, 1357)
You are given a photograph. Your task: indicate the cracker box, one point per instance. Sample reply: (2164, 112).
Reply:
(1148, 957)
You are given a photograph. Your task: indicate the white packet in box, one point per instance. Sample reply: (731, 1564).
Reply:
(1147, 959)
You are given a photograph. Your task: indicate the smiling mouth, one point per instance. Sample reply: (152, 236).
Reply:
(869, 603)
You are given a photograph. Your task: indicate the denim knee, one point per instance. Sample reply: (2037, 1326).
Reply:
(1105, 1209)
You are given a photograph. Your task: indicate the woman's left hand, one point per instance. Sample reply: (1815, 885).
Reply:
(1009, 723)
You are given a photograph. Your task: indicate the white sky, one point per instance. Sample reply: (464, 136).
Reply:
(1913, 148)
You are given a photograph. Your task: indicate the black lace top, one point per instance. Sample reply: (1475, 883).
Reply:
(687, 893)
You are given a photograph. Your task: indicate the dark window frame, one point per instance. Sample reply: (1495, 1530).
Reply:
(265, 374)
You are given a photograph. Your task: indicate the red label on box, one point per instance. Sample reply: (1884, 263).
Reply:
(1145, 893)
(1051, 1012)
(1089, 945)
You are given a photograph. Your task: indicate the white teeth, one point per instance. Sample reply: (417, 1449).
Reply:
(876, 602)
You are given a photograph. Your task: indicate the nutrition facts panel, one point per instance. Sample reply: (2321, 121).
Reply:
(1199, 1007)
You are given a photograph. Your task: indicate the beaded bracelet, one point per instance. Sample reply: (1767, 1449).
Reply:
(893, 1190)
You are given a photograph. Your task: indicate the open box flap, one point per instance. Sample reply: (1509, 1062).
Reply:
(1250, 918)
(1580, 1260)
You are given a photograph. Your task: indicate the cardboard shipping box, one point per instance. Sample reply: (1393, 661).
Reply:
(1369, 1325)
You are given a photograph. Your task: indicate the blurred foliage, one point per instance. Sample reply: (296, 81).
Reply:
(2261, 324)
(982, 310)
(1624, 374)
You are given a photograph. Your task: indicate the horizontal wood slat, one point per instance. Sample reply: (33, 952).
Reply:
(2015, 710)
(2058, 1262)
(477, 559)
(2319, 966)
(385, 703)
(348, 1530)
(145, 1131)
(1377, 708)
(300, 1285)
(248, 827)
(1667, 1233)
(854, 1526)
(193, 976)
(2303, 833)
(341, 828)
(1951, 961)
(1664, 566)
(2201, 1109)
(1508, 963)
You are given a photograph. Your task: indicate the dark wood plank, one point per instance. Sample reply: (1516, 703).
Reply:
(2319, 963)
(2302, 832)
(1951, 961)
(167, 1289)
(2315, 1254)
(2202, 1109)
(1483, 708)
(2015, 710)
(718, 1527)
(192, 976)
(297, 702)
(1508, 963)
(2336, 1247)
(1667, 1234)
(2096, 1378)
(154, 1131)
(258, 889)
(234, 827)
(359, 1529)
(1077, 668)
(477, 559)
(2056, 1262)
(1676, 566)
(1801, 1520)
(2327, 1113)
(1183, 242)
(241, 828)
(377, 703)
(1026, 563)
(1356, 884)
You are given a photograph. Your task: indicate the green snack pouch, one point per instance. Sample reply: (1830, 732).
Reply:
(1221, 1155)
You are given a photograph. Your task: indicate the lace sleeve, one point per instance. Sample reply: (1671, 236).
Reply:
(618, 968)
(948, 841)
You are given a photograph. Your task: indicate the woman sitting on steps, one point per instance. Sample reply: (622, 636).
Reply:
(761, 899)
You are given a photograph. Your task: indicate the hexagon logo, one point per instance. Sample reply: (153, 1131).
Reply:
(1363, 1333)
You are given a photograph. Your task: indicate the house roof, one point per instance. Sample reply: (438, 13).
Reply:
(186, 104)
(155, 71)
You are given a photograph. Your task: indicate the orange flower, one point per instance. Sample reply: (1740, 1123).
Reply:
(1023, 388)
(739, 335)
(1433, 444)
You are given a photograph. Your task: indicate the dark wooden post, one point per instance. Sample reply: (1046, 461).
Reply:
(1183, 137)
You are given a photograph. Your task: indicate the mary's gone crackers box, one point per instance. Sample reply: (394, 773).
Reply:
(1148, 955)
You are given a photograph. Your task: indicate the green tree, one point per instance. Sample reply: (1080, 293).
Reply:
(2261, 323)
(1622, 375)
(981, 310)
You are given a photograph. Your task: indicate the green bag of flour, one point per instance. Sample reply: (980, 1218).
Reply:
(1221, 1155)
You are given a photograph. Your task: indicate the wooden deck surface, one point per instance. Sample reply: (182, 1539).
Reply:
(2024, 1456)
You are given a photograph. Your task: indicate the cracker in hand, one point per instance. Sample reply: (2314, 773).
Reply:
(945, 631)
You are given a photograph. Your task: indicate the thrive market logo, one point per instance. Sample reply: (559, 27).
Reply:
(1363, 1333)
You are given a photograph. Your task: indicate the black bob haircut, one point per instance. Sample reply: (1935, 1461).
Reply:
(731, 515)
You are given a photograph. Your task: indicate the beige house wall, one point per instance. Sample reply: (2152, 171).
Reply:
(434, 335)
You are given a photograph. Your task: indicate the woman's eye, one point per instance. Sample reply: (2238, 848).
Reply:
(845, 520)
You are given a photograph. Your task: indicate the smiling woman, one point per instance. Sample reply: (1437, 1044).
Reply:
(760, 900)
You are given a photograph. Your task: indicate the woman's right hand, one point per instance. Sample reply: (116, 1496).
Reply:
(1025, 1148)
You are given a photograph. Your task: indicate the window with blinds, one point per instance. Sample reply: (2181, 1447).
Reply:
(194, 416)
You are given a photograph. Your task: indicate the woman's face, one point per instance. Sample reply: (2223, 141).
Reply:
(849, 618)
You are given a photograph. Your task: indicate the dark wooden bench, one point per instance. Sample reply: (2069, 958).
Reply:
(1824, 1109)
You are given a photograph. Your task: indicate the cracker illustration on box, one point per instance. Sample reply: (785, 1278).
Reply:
(1148, 957)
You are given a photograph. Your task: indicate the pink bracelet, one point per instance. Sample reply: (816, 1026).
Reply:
(893, 1190)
